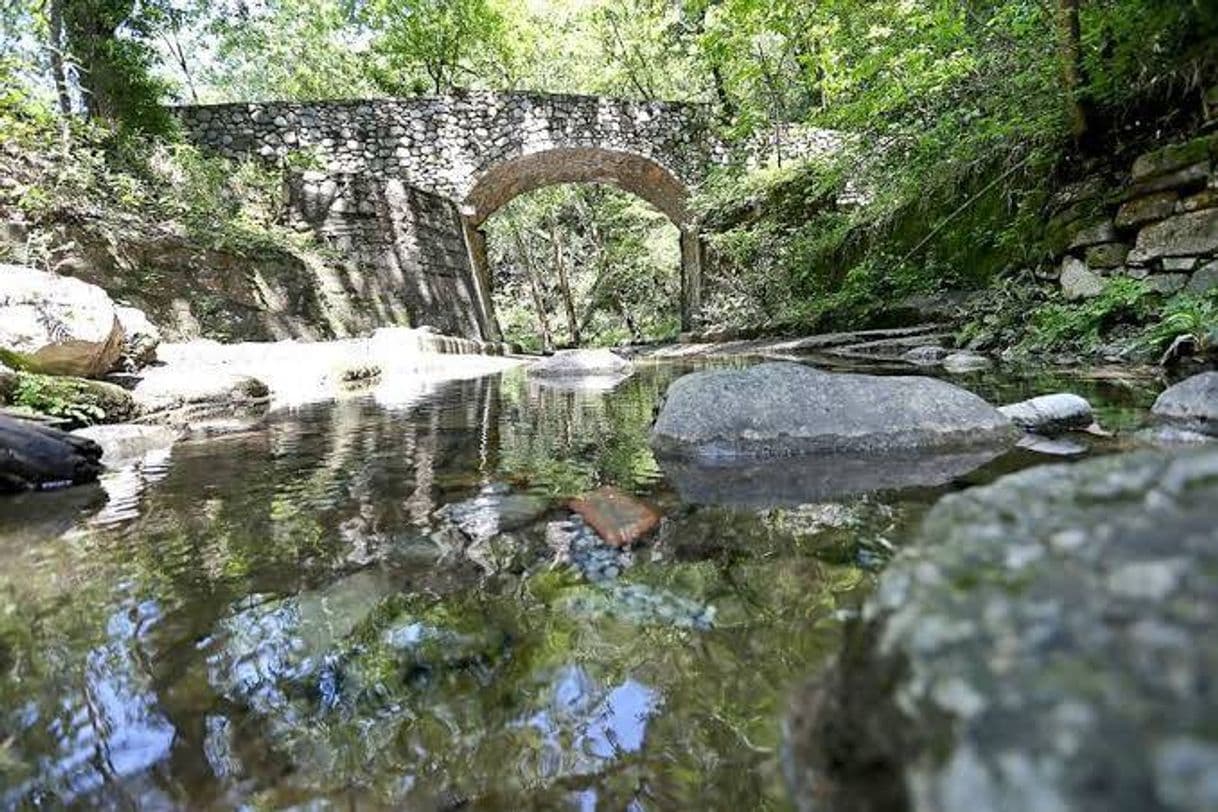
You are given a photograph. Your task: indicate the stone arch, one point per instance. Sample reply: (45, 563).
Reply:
(637, 174)
(632, 172)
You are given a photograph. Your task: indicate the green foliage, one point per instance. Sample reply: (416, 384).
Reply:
(1187, 314)
(958, 122)
(1127, 316)
(1060, 325)
(220, 203)
(69, 398)
(620, 257)
(286, 49)
(111, 44)
(439, 41)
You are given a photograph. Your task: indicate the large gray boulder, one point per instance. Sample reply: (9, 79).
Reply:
(786, 409)
(1191, 405)
(1046, 643)
(57, 325)
(581, 363)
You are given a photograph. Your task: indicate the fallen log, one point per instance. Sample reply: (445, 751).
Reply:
(35, 457)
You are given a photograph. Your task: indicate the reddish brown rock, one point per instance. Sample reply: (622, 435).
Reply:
(617, 517)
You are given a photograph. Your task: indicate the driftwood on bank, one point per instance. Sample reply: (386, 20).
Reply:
(34, 456)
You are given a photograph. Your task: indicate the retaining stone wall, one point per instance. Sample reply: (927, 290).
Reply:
(1160, 226)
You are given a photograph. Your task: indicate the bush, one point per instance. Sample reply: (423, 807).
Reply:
(102, 174)
(1059, 325)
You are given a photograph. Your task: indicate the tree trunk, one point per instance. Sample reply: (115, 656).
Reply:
(636, 335)
(1074, 77)
(174, 43)
(564, 284)
(539, 305)
(55, 46)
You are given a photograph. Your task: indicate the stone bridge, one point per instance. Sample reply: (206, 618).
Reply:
(401, 186)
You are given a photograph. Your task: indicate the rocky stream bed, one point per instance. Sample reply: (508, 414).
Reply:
(510, 591)
(860, 571)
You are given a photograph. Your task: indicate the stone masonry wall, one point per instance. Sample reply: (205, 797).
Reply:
(1160, 226)
(394, 239)
(443, 144)
(401, 185)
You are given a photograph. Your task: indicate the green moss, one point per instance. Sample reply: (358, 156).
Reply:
(80, 402)
(1176, 156)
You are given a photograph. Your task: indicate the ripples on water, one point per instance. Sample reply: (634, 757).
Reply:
(282, 617)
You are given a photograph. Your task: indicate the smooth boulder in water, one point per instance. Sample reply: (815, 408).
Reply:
(1191, 405)
(786, 409)
(784, 434)
(581, 363)
(959, 363)
(1050, 414)
(1046, 642)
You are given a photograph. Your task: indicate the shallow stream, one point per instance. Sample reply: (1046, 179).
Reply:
(290, 616)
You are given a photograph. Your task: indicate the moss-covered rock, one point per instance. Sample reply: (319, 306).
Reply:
(76, 401)
(1174, 157)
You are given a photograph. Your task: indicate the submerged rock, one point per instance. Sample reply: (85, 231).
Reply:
(927, 356)
(961, 362)
(785, 409)
(1046, 643)
(265, 645)
(577, 544)
(493, 511)
(642, 604)
(617, 517)
(57, 325)
(1191, 405)
(581, 363)
(1050, 414)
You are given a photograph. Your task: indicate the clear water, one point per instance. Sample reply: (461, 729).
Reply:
(281, 618)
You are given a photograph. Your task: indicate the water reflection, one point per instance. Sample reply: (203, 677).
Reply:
(295, 615)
